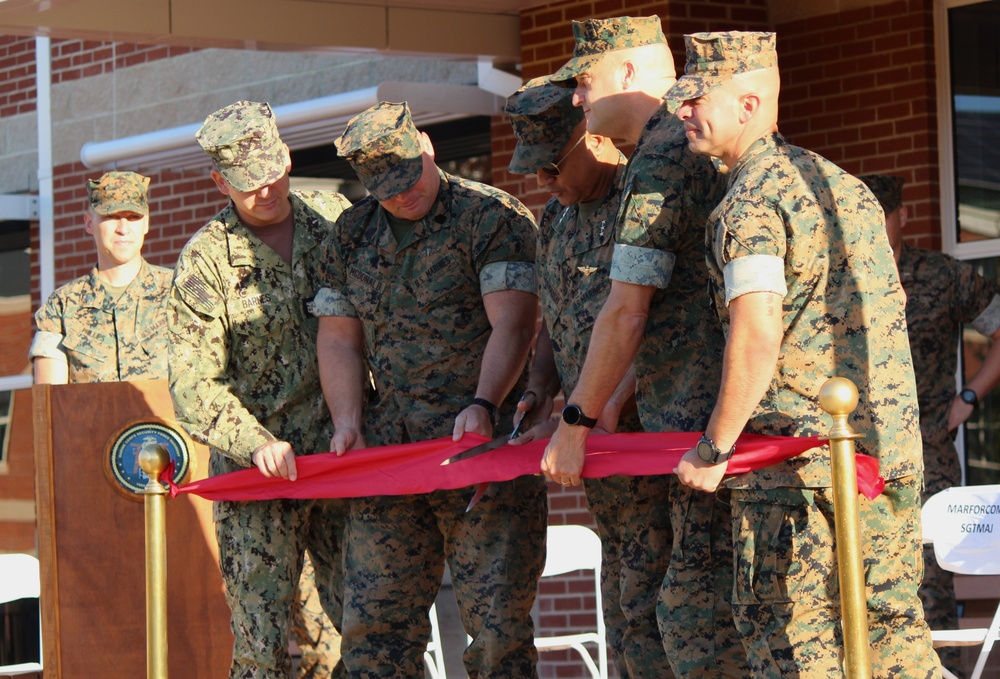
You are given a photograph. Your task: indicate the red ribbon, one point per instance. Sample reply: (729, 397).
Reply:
(413, 468)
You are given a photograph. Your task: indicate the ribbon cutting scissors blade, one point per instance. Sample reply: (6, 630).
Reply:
(479, 450)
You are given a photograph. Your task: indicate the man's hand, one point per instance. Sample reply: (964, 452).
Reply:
(959, 412)
(694, 472)
(346, 439)
(534, 410)
(563, 459)
(275, 458)
(473, 419)
(540, 431)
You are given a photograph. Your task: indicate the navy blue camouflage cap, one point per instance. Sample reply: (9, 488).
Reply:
(116, 192)
(595, 37)
(242, 140)
(543, 117)
(888, 189)
(383, 146)
(713, 58)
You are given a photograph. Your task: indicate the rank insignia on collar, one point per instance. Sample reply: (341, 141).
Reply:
(586, 270)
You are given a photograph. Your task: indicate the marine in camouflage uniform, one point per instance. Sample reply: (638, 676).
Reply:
(667, 194)
(804, 283)
(110, 325)
(245, 380)
(436, 292)
(575, 243)
(942, 293)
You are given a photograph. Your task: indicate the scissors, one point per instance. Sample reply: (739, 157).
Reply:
(485, 448)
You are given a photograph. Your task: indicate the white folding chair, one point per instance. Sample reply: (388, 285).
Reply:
(19, 579)
(573, 548)
(963, 524)
(434, 654)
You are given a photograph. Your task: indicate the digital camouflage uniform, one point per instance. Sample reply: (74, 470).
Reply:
(942, 293)
(244, 373)
(317, 639)
(425, 329)
(667, 195)
(103, 339)
(795, 224)
(575, 245)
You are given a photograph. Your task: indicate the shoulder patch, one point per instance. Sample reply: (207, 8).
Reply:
(199, 295)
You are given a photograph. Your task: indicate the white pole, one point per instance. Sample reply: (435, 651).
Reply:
(46, 208)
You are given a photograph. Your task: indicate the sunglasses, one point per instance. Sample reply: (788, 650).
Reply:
(552, 169)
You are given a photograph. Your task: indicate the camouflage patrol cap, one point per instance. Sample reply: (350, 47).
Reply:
(383, 146)
(242, 140)
(543, 117)
(117, 192)
(713, 58)
(595, 37)
(887, 189)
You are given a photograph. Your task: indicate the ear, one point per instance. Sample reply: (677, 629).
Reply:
(221, 183)
(628, 75)
(88, 221)
(902, 217)
(749, 104)
(425, 144)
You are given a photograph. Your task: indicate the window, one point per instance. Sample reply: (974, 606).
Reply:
(968, 56)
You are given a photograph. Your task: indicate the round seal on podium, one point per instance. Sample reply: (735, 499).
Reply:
(122, 455)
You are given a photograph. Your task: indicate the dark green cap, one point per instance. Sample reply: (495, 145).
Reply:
(713, 58)
(595, 37)
(383, 146)
(543, 117)
(888, 189)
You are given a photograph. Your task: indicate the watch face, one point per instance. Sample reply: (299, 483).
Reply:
(571, 414)
(969, 396)
(705, 451)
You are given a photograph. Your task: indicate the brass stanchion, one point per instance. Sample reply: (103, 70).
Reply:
(153, 459)
(839, 397)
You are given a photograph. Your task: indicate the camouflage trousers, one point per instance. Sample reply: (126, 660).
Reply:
(696, 612)
(317, 638)
(633, 520)
(394, 556)
(787, 597)
(261, 547)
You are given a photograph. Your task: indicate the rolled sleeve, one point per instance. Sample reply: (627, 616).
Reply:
(330, 302)
(47, 345)
(754, 273)
(642, 266)
(497, 276)
(988, 320)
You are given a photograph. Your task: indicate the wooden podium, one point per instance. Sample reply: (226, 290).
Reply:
(91, 543)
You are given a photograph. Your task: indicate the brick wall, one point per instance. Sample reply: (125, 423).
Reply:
(71, 60)
(860, 89)
(17, 63)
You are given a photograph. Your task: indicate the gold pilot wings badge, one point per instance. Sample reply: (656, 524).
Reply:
(586, 270)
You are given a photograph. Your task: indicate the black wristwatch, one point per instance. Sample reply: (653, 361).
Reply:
(488, 407)
(710, 453)
(572, 415)
(969, 396)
